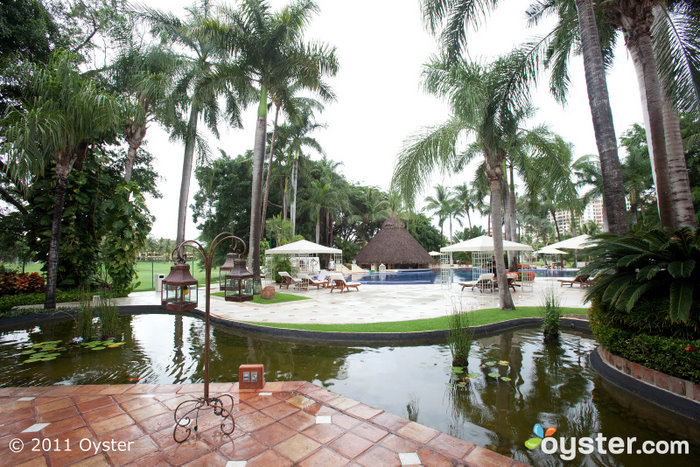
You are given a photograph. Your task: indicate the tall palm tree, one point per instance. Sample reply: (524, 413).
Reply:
(465, 196)
(61, 116)
(202, 78)
(272, 52)
(636, 169)
(438, 205)
(374, 209)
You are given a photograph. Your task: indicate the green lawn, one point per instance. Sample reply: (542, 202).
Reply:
(279, 298)
(477, 318)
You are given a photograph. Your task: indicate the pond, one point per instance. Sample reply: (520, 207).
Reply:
(432, 276)
(550, 385)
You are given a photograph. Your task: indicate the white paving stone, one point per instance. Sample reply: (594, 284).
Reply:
(409, 458)
(36, 427)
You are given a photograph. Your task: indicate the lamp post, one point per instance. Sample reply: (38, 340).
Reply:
(181, 286)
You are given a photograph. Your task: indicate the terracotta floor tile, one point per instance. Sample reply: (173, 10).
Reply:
(114, 389)
(370, 432)
(163, 438)
(104, 413)
(390, 421)
(324, 457)
(111, 424)
(15, 458)
(350, 445)
(95, 461)
(210, 460)
(398, 444)
(12, 405)
(220, 388)
(253, 421)
(63, 426)
(53, 403)
(56, 415)
(307, 388)
(433, 459)
(280, 410)
(166, 388)
(68, 457)
(379, 456)
(180, 454)
(297, 447)
(132, 450)
(174, 402)
(323, 432)
(154, 424)
(15, 427)
(36, 462)
(88, 403)
(313, 408)
(273, 386)
(216, 438)
(191, 388)
(151, 460)
(323, 395)
(342, 403)
(128, 433)
(243, 448)
(273, 434)
(208, 420)
(140, 389)
(149, 411)
(75, 436)
(482, 457)
(363, 411)
(300, 401)
(345, 421)
(418, 432)
(17, 415)
(137, 402)
(451, 446)
(260, 402)
(269, 458)
(299, 421)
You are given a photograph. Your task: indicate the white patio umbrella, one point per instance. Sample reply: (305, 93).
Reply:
(302, 247)
(434, 253)
(548, 250)
(575, 243)
(484, 243)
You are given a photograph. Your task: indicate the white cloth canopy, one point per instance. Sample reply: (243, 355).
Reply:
(484, 243)
(434, 253)
(303, 247)
(575, 243)
(548, 250)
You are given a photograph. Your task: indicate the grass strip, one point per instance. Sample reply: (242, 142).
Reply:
(279, 298)
(476, 318)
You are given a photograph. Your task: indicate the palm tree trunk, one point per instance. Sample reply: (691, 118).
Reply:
(599, 101)
(293, 204)
(681, 194)
(318, 225)
(283, 190)
(63, 168)
(556, 224)
(135, 134)
(269, 171)
(255, 199)
(504, 297)
(190, 141)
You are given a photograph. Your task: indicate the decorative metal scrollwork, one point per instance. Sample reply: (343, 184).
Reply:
(187, 416)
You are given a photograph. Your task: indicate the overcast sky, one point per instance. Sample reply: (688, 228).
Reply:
(381, 47)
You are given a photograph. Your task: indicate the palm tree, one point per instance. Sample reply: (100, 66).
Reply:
(202, 78)
(636, 169)
(465, 196)
(438, 204)
(485, 102)
(374, 209)
(61, 116)
(320, 197)
(272, 53)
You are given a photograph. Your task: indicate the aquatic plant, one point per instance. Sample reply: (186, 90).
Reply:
(551, 312)
(83, 319)
(460, 337)
(109, 318)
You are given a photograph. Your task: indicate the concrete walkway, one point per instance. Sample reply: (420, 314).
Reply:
(372, 303)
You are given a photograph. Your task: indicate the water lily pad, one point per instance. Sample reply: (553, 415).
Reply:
(474, 375)
(30, 360)
(27, 352)
(494, 374)
(39, 344)
(503, 363)
(491, 363)
(461, 384)
(48, 359)
(505, 378)
(458, 369)
(99, 348)
(116, 344)
(52, 355)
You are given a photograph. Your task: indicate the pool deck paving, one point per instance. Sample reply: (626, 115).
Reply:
(372, 303)
(283, 424)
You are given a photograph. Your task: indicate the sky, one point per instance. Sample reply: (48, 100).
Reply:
(381, 47)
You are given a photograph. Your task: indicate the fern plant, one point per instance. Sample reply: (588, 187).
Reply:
(650, 264)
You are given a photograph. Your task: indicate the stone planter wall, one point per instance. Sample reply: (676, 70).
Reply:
(677, 386)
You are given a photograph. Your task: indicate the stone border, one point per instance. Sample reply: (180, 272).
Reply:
(675, 394)
(320, 337)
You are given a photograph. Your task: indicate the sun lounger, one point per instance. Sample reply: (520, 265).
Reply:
(289, 280)
(338, 282)
(483, 282)
(310, 281)
(580, 279)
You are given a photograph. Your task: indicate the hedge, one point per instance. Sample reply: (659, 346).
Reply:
(15, 283)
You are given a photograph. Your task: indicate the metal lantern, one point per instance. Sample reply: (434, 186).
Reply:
(239, 282)
(179, 288)
(225, 268)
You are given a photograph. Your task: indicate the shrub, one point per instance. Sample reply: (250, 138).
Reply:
(10, 301)
(15, 283)
(460, 337)
(109, 318)
(551, 313)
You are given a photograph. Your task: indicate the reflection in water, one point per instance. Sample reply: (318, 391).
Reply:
(552, 385)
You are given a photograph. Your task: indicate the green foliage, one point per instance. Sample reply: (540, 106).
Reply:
(83, 320)
(551, 313)
(130, 223)
(109, 318)
(675, 357)
(280, 264)
(423, 231)
(656, 264)
(10, 301)
(460, 337)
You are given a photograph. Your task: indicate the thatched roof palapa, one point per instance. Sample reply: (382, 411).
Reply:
(394, 247)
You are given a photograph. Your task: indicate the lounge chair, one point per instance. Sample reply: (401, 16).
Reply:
(310, 281)
(580, 279)
(338, 282)
(483, 282)
(289, 280)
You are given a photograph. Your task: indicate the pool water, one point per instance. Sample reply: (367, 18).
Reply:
(432, 276)
(552, 385)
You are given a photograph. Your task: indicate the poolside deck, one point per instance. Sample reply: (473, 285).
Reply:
(289, 423)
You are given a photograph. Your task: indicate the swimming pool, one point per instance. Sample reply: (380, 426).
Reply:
(432, 276)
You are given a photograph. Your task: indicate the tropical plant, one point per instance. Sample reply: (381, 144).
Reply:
(636, 169)
(62, 115)
(459, 337)
(551, 312)
(647, 263)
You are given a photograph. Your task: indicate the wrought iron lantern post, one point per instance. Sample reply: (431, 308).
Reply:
(187, 410)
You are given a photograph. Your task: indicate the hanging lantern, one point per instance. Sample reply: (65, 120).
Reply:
(239, 282)
(179, 288)
(225, 268)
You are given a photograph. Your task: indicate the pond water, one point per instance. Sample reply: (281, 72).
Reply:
(432, 276)
(551, 385)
